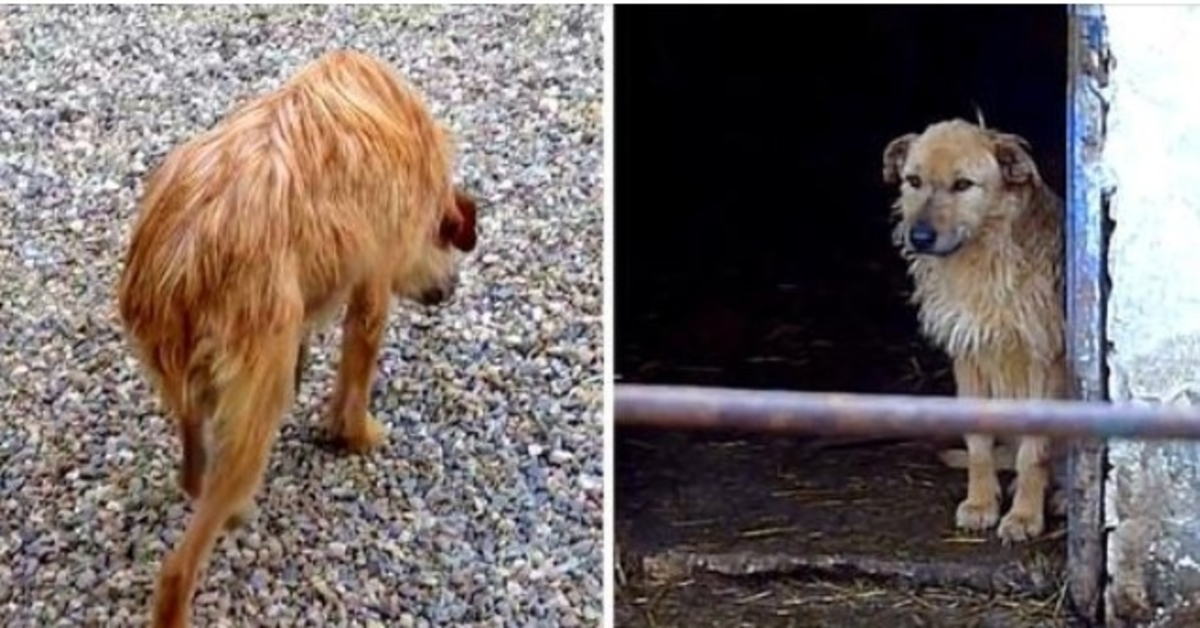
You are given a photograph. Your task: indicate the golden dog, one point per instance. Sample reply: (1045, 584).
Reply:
(336, 189)
(983, 237)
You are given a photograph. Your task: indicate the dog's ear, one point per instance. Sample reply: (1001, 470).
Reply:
(458, 227)
(894, 156)
(1012, 153)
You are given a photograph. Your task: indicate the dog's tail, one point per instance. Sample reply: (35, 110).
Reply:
(252, 382)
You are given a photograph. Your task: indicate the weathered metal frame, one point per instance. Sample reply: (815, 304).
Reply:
(1087, 421)
(1086, 293)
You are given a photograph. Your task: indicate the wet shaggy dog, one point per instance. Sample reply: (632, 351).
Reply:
(983, 237)
(336, 189)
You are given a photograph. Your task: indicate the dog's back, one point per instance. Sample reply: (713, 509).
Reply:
(269, 217)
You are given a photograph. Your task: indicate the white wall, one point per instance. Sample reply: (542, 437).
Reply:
(1153, 153)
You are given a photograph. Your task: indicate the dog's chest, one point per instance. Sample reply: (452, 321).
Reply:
(987, 308)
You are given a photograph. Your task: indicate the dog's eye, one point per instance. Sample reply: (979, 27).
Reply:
(962, 185)
(913, 181)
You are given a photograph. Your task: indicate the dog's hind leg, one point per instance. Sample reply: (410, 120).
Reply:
(301, 363)
(189, 416)
(247, 413)
(195, 454)
(349, 421)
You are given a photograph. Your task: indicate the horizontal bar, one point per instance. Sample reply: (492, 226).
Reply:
(694, 407)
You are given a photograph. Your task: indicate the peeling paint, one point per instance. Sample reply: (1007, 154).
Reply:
(1088, 192)
(1153, 149)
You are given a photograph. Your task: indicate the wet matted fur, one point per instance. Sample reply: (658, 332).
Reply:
(983, 237)
(335, 189)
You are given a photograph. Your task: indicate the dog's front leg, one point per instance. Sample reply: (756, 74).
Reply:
(981, 509)
(349, 420)
(1026, 519)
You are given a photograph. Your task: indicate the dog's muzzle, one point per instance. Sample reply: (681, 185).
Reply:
(922, 237)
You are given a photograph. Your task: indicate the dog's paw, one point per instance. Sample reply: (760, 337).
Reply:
(364, 435)
(977, 516)
(1018, 527)
(241, 517)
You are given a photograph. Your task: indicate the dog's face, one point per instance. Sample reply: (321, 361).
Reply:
(437, 275)
(953, 179)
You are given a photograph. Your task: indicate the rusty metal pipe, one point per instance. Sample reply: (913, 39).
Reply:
(692, 407)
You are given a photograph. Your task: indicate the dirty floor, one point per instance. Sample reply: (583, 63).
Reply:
(711, 602)
(787, 532)
(748, 530)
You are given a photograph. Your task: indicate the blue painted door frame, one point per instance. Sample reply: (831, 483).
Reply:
(1086, 292)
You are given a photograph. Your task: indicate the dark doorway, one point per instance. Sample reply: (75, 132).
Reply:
(753, 250)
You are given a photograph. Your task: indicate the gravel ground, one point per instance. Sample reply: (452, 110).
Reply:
(486, 507)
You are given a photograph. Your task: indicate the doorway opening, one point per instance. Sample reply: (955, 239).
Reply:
(753, 250)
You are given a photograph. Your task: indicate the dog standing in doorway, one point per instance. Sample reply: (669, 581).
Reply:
(982, 234)
(334, 190)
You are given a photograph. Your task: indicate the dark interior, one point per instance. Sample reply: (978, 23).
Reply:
(752, 227)
(753, 242)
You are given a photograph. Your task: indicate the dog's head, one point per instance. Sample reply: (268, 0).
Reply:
(437, 276)
(954, 178)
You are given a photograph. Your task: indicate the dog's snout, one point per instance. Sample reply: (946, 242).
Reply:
(922, 236)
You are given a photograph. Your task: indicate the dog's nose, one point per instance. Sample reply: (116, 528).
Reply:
(922, 236)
